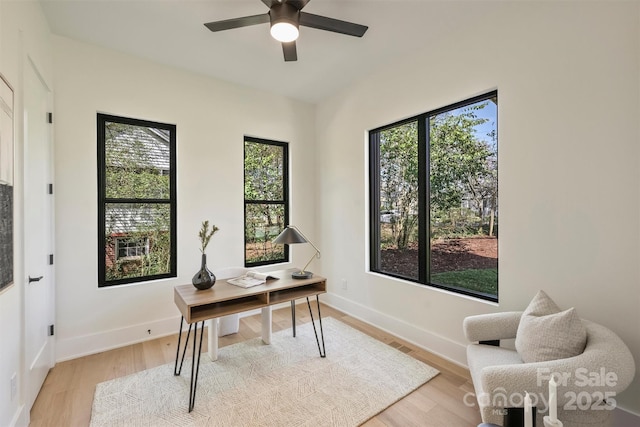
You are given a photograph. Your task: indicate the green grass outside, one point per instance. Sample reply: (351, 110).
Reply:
(485, 281)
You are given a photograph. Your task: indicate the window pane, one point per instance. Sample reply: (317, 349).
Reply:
(398, 225)
(463, 149)
(137, 240)
(263, 222)
(263, 176)
(137, 162)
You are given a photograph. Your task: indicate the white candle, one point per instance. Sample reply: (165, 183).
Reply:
(553, 400)
(528, 418)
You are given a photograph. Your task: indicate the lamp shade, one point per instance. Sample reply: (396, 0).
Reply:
(289, 236)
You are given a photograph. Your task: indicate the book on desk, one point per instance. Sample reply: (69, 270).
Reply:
(250, 279)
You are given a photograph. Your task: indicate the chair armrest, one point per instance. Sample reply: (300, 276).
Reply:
(493, 326)
(505, 385)
(606, 367)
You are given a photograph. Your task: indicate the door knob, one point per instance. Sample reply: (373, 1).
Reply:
(35, 279)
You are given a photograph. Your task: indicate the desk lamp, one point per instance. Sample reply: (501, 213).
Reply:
(291, 235)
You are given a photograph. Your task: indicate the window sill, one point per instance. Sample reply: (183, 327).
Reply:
(433, 288)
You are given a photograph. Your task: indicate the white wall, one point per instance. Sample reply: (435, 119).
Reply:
(212, 118)
(567, 76)
(24, 33)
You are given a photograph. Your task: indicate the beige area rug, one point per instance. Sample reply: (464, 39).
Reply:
(282, 384)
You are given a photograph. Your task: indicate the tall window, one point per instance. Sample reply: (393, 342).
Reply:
(434, 198)
(266, 200)
(136, 200)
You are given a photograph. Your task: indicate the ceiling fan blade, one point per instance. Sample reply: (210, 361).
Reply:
(290, 52)
(269, 3)
(245, 21)
(331, 24)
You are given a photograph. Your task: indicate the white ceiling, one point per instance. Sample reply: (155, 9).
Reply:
(172, 32)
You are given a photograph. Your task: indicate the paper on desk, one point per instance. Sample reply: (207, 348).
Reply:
(250, 279)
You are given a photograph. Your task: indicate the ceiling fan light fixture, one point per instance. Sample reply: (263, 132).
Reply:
(284, 22)
(284, 32)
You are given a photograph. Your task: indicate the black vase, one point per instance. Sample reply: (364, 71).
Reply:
(204, 278)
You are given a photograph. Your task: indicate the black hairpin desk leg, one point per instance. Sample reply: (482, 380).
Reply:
(323, 352)
(293, 317)
(195, 358)
(195, 365)
(176, 370)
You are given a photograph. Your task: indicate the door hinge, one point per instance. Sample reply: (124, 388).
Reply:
(50, 117)
(50, 189)
(50, 259)
(51, 330)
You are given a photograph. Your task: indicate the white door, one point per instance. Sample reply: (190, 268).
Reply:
(38, 216)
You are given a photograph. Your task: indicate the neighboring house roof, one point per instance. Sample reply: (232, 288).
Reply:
(130, 219)
(142, 147)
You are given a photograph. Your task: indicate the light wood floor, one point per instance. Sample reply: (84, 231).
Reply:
(67, 394)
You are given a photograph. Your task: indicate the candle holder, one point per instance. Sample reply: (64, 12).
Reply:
(549, 423)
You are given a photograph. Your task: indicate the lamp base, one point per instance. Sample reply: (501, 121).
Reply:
(301, 275)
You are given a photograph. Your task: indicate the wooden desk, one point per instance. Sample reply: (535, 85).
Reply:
(222, 299)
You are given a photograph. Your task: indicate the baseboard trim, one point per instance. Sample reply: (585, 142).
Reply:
(441, 346)
(20, 418)
(85, 345)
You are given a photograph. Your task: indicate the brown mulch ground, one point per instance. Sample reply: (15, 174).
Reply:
(446, 255)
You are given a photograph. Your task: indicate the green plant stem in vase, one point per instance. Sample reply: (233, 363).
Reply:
(204, 278)
(206, 234)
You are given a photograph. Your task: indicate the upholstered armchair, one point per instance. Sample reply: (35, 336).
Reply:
(588, 382)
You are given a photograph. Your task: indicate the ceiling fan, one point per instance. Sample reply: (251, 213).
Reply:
(285, 17)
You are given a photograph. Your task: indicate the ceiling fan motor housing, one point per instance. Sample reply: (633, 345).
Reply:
(285, 13)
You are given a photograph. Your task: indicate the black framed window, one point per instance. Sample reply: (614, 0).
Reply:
(136, 200)
(266, 200)
(434, 198)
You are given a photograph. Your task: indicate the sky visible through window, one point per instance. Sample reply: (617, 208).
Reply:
(489, 112)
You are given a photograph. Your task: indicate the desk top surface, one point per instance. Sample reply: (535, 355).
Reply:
(223, 291)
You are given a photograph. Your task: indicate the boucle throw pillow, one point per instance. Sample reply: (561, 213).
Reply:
(546, 333)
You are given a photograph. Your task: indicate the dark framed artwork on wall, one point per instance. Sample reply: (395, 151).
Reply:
(6, 184)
